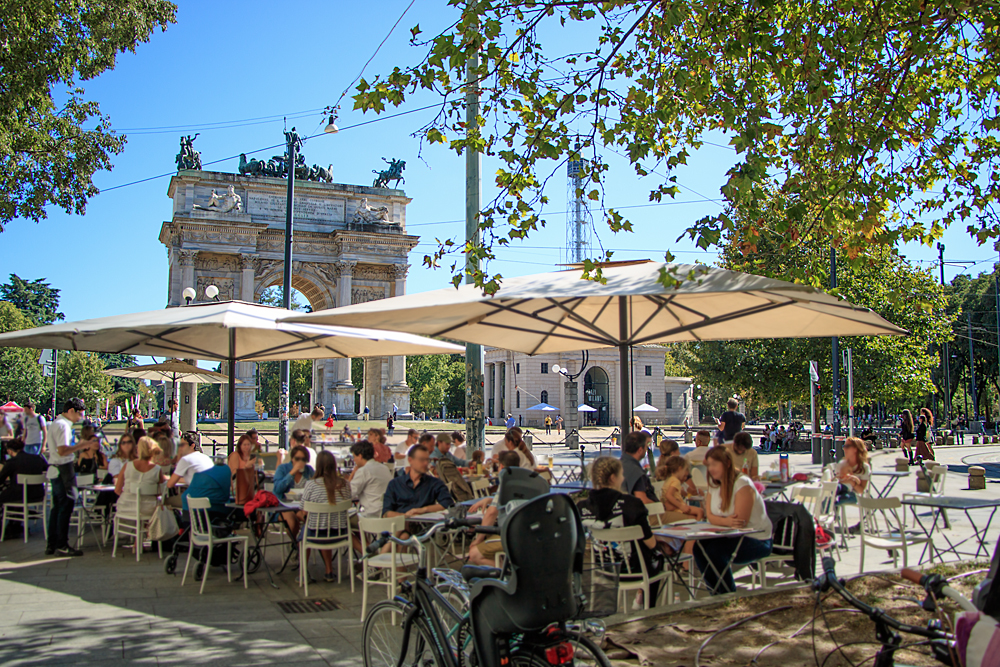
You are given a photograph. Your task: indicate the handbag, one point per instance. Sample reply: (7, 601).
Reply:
(163, 524)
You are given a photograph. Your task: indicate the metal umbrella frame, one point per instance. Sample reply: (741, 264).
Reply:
(172, 370)
(559, 312)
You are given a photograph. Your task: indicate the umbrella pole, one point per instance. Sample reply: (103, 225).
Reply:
(231, 398)
(623, 372)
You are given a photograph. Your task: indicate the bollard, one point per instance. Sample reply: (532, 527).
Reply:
(950, 440)
(902, 465)
(977, 477)
(975, 439)
(827, 446)
(688, 437)
(816, 442)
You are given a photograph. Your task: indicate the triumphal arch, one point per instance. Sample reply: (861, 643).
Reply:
(349, 246)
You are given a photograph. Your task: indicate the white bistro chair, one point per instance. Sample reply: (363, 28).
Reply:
(604, 542)
(134, 523)
(23, 512)
(202, 536)
(325, 539)
(393, 561)
(897, 538)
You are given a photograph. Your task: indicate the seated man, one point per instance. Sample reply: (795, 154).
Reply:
(443, 451)
(484, 549)
(191, 461)
(415, 492)
(20, 462)
(214, 484)
(636, 480)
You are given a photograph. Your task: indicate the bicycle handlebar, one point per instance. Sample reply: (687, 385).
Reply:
(417, 540)
(912, 576)
(829, 580)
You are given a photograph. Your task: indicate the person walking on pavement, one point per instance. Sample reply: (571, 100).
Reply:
(61, 448)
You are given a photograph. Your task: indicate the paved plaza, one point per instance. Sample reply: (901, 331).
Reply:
(95, 609)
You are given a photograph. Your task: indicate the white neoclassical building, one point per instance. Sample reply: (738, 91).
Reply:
(514, 382)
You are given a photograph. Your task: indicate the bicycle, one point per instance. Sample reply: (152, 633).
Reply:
(423, 626)
(888, 629)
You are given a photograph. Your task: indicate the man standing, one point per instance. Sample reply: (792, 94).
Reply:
(636, 480)
(31, 429)
(333, 411)
(395, 412)
(61, 447)
(731, 422)
(307, 420)
(559, 424)
(511, 422)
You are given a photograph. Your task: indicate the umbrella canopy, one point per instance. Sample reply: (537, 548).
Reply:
(544, 406)
(645, 407)
(559, 312)
(11, 406)
(172, 370)
(228, 331)
(583, 407)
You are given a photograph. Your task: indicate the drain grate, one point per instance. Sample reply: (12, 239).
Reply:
(309, 606)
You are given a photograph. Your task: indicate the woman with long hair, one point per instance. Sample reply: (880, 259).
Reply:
(925, 435)
(328, 487)
(138, 470)
(242, 463)
(124, 453)
(732, 501)
(906, 434)
(515, 442)
(853, 471)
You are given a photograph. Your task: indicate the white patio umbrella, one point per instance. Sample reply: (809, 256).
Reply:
(227, 331)
(171, 370)
(559, 312)
(544, 406)
(583, 407)
(645, 407)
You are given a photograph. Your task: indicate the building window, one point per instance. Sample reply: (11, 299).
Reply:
(670, 401)
(545, 369)
(545, 395)
(517, 400)
(685, 401)
(649, 398)
(649, 371)
(517, 369)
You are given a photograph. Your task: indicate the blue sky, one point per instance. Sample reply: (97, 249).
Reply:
(227, 61)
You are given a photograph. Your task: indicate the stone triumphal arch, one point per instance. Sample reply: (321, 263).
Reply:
(350, 246)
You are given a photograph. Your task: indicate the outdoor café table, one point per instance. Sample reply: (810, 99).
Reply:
(272, 515)
(697, 532)
(772, 489)
(435, 517)
(963, 504)
(893, 477)
(570, 487)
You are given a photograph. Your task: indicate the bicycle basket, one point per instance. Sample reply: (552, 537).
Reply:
(599, 590)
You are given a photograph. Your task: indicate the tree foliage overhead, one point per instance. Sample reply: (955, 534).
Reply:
(20, 374)
(35, 298)
(436, 378)
(81, 376)
(126, 386)
(877, 121)
(52, 138)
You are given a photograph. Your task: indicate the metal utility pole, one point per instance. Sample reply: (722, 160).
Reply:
(850, 393)
(996, 290)
(835, 344)
(972, 370)
(475, 423)
(946, 365)
(293, 143)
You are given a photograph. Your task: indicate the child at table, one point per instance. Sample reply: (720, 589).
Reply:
(676, 472)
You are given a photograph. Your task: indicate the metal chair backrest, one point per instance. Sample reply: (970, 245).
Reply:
(369, 526)
(889, 508)
(655, 510)
(315, 510)
(615, 545)
(480, 487)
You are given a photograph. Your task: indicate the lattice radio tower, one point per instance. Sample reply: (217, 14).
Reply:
(579, 221)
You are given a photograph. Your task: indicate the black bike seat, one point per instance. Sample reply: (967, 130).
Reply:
(470, 572)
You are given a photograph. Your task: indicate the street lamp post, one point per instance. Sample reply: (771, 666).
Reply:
(293, 143)
(946, 366)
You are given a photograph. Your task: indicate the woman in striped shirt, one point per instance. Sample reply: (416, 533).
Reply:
(328, 487)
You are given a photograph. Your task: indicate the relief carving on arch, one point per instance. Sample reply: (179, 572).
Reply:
(366, 293)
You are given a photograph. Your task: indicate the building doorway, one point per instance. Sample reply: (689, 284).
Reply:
(596, 392)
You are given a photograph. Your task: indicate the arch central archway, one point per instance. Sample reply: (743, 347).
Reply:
(597, 394)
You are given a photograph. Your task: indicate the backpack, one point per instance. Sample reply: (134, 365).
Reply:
(457, 486)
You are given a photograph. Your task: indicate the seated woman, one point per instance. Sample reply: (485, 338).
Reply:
(124, 454)
(135, 473)
(853, 472)
(293, 475)
(667, 448)
(89, 461)
(330, 488)
(732, 502)
(477, 459)
(242, 466)
(607, 505)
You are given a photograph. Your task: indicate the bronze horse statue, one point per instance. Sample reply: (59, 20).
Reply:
(393, 173)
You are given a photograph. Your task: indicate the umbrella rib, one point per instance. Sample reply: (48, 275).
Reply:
(607, 338)
(585, 333)
(508, 327)
(661, 306)
(756, 310)
(287, 347)
(177, 347)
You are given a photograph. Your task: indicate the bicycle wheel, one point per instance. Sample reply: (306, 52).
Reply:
(383, 638)
(586, 652)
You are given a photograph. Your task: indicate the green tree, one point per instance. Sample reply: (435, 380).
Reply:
(20, 375)
(35, 298)
(268, 371)
(434, 378)
(80, 376)
(126, 386)
(52, 150)
(974, 300)
(876, 120)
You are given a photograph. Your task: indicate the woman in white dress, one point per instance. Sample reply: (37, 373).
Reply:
(134, 474)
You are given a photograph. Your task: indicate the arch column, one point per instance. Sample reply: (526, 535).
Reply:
(397, 391)
(339, 378)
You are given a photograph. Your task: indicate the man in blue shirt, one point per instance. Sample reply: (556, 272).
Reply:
(415, 492)
(443, 451)
(214, 484)
(511, 422)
